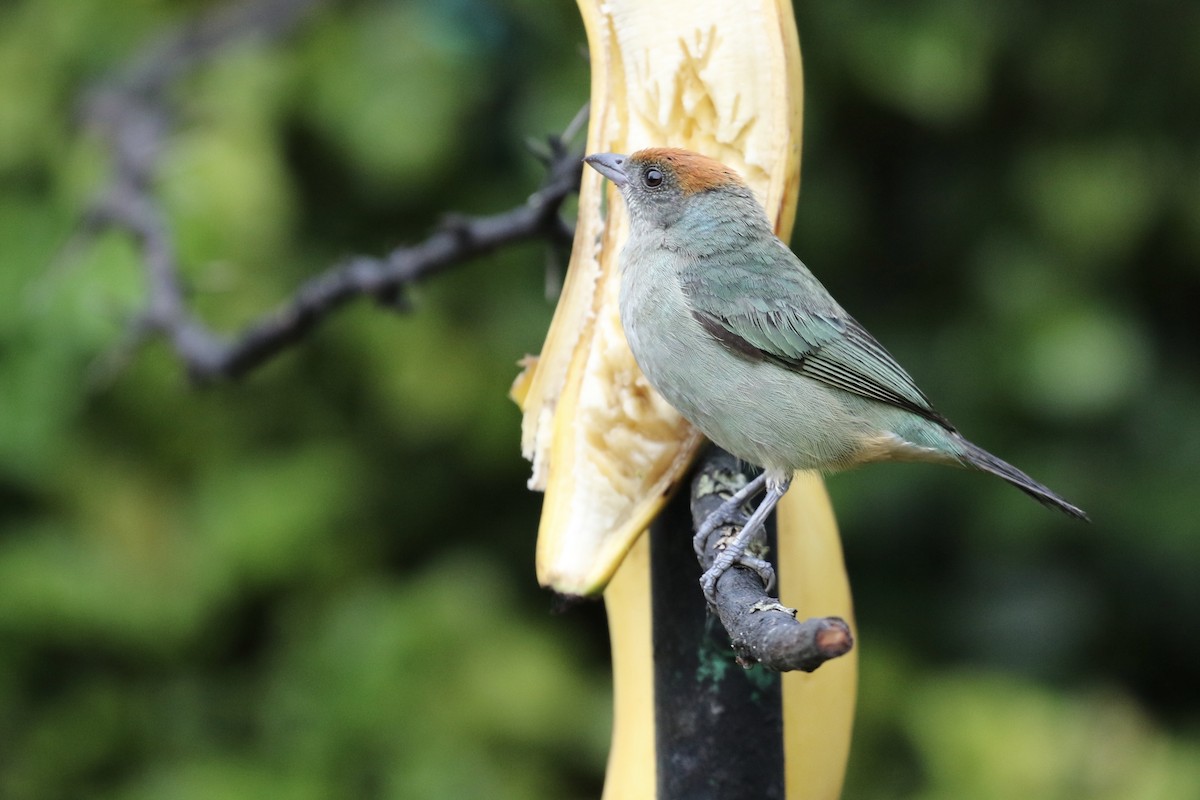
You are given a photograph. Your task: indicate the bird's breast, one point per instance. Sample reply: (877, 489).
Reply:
(758, 411)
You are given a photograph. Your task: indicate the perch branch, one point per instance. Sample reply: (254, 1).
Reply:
(760, 629)
(134, 116)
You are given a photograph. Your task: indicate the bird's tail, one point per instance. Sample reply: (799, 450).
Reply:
(977, 457)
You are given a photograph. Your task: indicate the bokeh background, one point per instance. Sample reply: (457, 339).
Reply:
(318, 582)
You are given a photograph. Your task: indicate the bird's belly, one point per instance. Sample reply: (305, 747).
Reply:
(758, 411)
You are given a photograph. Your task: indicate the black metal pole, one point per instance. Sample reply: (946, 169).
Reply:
(718, 726)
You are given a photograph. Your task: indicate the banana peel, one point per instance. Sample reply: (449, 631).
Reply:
(725, 80)
(818, 707)
(710, 76)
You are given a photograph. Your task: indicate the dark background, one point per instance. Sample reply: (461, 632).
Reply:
(319, 582)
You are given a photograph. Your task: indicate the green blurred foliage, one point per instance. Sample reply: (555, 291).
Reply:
(318, 583)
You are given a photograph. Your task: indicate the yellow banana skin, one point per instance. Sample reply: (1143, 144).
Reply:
(818, 707)
(722, 79)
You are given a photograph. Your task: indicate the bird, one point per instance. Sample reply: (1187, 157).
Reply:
(736, 333)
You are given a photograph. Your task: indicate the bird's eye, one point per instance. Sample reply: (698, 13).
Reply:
(653, 177)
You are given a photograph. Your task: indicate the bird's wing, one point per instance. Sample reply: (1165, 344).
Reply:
(762, 303)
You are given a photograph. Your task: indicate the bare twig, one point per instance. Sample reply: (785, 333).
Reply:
(133, 114)
(760, 629)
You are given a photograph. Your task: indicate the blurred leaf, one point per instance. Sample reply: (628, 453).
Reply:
(437, 670)
(1097, 746)
(229, 777)
(1093, 199)
(405, 75)
(228, 198)
(1085, 362)
(933, 62)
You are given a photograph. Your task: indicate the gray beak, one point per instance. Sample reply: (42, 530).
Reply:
(610, 165)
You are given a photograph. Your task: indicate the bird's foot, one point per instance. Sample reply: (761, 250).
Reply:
(735, 548)
(763, 567)
(735, 554)
(728, 512)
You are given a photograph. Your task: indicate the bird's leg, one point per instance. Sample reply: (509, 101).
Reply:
(734, 552)
(729, 511)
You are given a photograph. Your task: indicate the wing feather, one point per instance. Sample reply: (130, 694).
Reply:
(749, 300)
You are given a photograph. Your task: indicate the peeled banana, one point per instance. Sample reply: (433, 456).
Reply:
(723, 79)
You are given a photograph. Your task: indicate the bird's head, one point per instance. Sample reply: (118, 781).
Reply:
(664, 185)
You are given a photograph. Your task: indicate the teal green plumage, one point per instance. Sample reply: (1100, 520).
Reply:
(750, 298)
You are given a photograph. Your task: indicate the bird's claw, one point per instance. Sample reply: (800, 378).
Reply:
(765, 571)
(730, 558)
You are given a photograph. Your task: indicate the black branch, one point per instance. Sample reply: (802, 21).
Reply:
(760, 628)
(133, 114)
